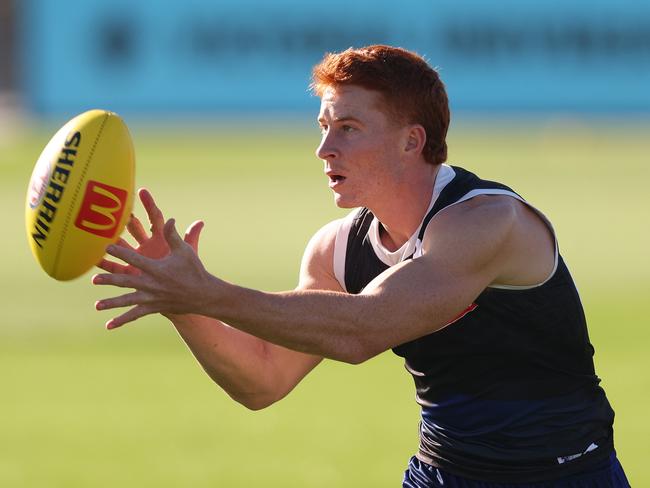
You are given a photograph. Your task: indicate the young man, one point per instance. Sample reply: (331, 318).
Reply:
(458, 275)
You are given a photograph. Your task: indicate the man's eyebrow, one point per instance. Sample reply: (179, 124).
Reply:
(344, 118)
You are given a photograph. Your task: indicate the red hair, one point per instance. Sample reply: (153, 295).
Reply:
(411, 89)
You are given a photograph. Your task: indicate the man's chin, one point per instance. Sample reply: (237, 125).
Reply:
(344, 203)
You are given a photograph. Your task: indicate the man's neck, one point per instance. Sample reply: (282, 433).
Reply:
(401, 214)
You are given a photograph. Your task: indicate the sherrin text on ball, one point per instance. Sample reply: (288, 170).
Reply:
(80, 194)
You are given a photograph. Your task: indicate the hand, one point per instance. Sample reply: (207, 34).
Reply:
(154, 246)
(150, 262)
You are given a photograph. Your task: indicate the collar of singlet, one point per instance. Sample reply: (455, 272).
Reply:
(391, 258)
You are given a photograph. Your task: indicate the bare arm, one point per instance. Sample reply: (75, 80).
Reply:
(467, 248)
(485, 241)
(255, 372)
(406, 301)
(252, 371)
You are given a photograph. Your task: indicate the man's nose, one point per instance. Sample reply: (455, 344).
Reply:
(327, 148)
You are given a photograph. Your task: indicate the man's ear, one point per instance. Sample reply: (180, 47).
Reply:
(416, 138)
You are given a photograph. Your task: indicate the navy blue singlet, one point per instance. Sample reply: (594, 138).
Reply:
(508, 390)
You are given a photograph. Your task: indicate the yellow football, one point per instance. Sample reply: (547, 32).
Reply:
(80, 194)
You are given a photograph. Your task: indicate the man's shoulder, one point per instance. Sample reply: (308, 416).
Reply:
(496, 230)
(317, 267)
(482, 208)
(485, 221)
(326, 235)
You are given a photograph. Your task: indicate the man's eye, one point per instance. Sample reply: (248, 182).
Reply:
(347, 128)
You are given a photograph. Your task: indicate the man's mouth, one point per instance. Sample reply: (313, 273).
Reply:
(335, 180)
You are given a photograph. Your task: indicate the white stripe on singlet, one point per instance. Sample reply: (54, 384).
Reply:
(444, 176)
(413, 246)
(498, 191)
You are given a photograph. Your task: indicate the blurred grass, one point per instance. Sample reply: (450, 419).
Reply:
(85, 407)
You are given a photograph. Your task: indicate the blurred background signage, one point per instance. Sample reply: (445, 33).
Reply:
(199, 56)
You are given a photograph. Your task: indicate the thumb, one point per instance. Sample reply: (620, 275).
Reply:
(192, 234)
(171, 235)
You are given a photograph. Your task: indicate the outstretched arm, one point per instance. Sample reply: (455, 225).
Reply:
(467, 247)
(252, 371)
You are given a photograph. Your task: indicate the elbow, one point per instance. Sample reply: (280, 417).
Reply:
(258, 399)
(254, 402)
(255, 405)
(356, 352)
(356, 358)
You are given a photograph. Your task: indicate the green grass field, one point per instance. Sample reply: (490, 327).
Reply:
(83, 407)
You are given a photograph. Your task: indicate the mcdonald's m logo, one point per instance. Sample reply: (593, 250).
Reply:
(101, 209)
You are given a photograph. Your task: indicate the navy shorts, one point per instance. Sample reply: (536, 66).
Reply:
(422, 475)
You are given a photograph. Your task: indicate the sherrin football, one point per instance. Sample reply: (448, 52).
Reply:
(80, 194)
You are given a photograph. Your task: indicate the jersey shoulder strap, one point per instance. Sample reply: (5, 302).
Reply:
(464, 186)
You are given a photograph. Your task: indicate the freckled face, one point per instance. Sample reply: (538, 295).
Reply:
(360, 146)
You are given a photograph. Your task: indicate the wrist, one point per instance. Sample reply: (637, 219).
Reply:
(211, 297)
(180, 319)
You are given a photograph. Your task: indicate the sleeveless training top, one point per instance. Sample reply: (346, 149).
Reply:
(508, 389)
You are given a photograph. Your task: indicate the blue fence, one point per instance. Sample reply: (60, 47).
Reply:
(253, 55)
